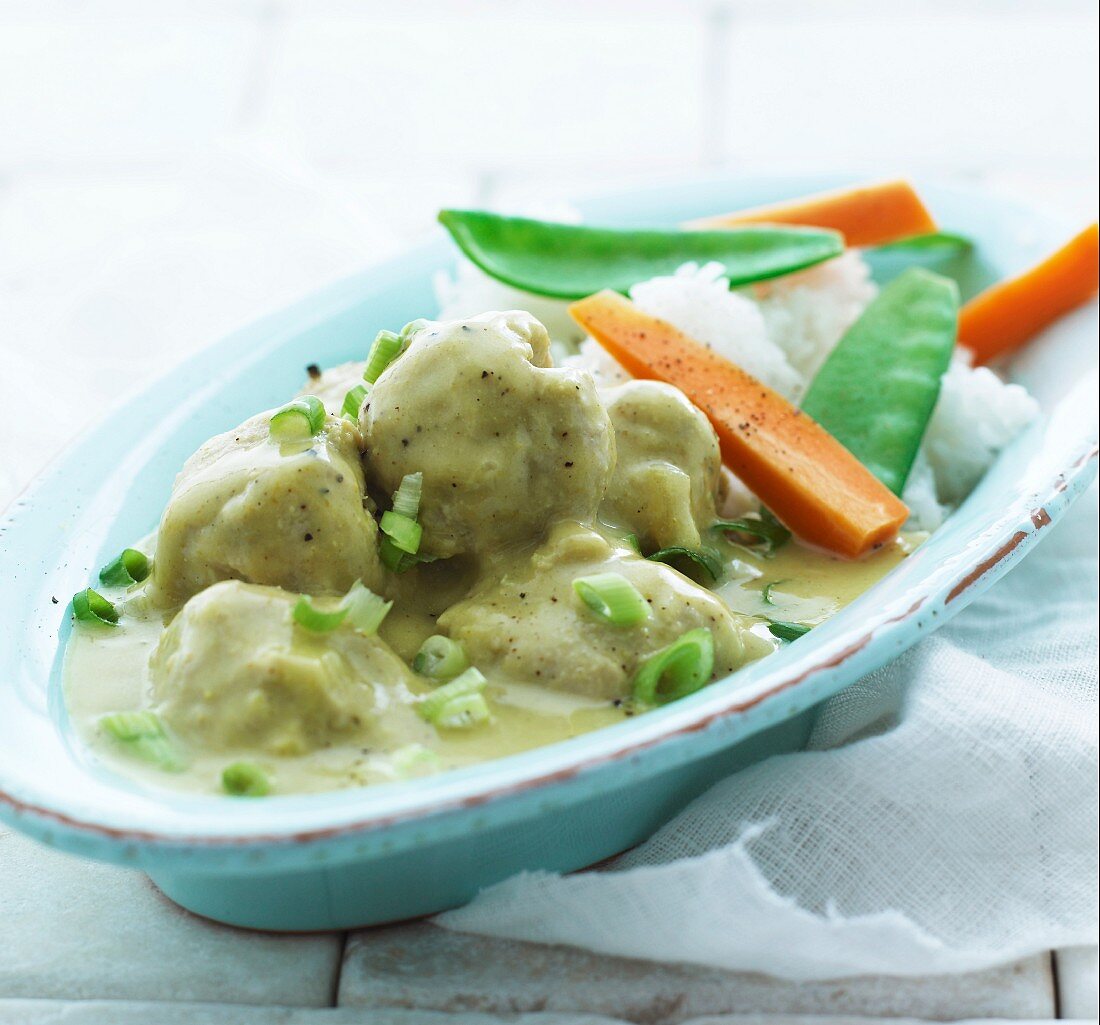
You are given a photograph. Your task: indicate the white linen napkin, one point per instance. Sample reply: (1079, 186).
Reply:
(942, 819)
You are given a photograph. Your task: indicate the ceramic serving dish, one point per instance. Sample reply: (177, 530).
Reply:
(393, 851)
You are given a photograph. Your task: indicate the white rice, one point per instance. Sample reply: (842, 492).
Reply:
(976, 416)
(808, 312)
(781, 331)
(699, 302)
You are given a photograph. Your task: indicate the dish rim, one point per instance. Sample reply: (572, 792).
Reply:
(838, 657)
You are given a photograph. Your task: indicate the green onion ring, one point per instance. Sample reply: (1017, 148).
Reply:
(245, 779)
(317, 620)
(91, 607)
(612, 598)
(685, 665)
(440, 658)
(142, 735)
(386, 348)
(131, 567)
(403, 531)
(406, 499)
(353, 401)
(298, 420)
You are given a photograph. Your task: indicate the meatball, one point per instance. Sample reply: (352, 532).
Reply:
(506, 443)
(245, 507)
(531, 627)
(668, 469)
(233, 671)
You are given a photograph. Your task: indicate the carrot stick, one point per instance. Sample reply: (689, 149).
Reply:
(814, 485)
(1003, 317)
(866, 215)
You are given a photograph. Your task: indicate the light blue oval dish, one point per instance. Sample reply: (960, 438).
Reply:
(388, 852)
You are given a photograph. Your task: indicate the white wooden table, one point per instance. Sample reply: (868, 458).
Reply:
(169, 171)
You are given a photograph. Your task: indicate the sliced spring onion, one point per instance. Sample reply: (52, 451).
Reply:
(633, 542)
(676, 671)
(365, 609)
(131, 567)
(463, 712)
(613, 598)
(403, 531)
(320, 621)
(411, 329)
(386, 348)
(769, 532)
(705, 558)
(353, 401)
(245, 779)
(788, 631)
(298, 420)
(142, 734)
(91, 607)
(445, 703)
(440, 658)
(406, 499)
(361, 607)
(416, 760)
(393, 558)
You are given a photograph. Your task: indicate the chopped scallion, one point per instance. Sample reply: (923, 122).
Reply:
(142, 734)
(386, 348)
(393, 558)
(676, 671)
(449, 705)
(613, 598)
(768, 532)
(361, 607)
(131, 567)
(788, 631)
(406, 499)
(705, 558)
(440, 658)
(353, 401)
(91, 607)
(411, 329)
(298, 420)
(403, 531)
(365, 609)
(245, 779)
(317, 620)
(462, 712)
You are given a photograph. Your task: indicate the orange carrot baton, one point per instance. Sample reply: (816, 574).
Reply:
(1005, 316)
(811, 482)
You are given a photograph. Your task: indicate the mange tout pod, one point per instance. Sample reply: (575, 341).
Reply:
(814, 485)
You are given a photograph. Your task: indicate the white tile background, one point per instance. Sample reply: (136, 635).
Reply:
(171, 168)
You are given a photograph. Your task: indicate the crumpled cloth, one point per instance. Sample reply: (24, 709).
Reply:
(942, 819)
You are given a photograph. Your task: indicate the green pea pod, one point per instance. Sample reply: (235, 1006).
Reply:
(568, 261)
(953, 256)
(876, 391)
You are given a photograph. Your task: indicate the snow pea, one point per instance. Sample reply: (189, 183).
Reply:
(569, 261)
(876, 391)
(951, 255)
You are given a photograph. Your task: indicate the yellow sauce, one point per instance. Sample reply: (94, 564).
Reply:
(106, 670)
